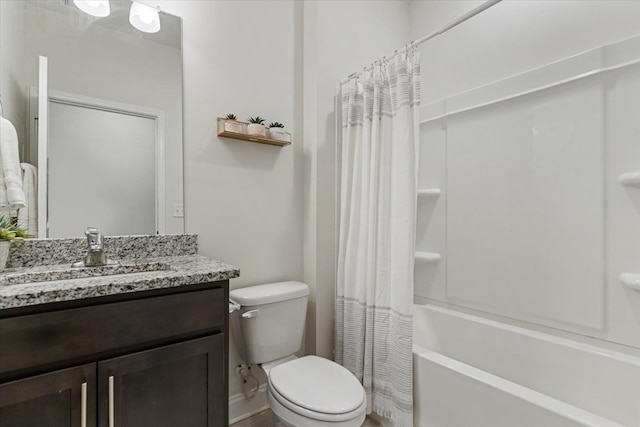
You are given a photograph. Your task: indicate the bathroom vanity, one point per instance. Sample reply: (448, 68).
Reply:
(136, 349)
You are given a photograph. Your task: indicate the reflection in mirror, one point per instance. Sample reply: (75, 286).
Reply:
(114, 140)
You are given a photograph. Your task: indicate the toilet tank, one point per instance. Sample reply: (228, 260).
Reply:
(270, 324)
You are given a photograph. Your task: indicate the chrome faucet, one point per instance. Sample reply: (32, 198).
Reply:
(96, 256)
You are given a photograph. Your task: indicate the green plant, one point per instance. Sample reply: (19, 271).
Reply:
(276, 125)
(11, 232)
(257, 120)
(231, 117)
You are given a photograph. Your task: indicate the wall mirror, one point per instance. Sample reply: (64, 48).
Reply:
(111, 153)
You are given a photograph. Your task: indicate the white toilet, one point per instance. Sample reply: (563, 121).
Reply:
(303, 392)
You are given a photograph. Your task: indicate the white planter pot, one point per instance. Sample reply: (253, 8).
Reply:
(232, 126)
(279, 134)
(4, 253)
(257, 130)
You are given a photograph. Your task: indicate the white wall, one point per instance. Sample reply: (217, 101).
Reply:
(244, 200)
(265, 209)
(534, 178)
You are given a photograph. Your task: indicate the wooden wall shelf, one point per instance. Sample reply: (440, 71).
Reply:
(247, 137)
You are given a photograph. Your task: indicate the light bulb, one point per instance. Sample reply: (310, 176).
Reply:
(144, 18)
(98, 8)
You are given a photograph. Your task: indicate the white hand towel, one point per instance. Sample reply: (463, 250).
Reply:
(11, 194)
(28, 216)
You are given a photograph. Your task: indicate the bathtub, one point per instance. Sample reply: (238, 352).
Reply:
(470, 371)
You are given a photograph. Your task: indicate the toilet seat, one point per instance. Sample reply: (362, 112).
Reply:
(312, 416)
(317, 388)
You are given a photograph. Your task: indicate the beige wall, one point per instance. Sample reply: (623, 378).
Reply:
(244, 200)
(265, 209)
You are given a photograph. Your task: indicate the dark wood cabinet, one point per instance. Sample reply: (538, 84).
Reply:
(64, 398)
(176, 385)
(156, 358)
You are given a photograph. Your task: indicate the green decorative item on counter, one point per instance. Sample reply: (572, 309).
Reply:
(9, 232)
(231, 117)
(276, 125)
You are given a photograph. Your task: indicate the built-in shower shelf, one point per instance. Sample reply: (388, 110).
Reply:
(631, 280)
(426, 257)
(631, 179)
(429, 192)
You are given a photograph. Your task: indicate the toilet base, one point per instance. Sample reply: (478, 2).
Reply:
(278, 422)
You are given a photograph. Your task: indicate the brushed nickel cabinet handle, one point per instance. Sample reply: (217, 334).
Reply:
(112, 405)
(83, 405)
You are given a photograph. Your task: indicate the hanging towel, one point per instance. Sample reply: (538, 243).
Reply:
(28, 216)
(11, 194)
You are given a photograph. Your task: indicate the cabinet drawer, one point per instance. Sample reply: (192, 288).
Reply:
(46, 338)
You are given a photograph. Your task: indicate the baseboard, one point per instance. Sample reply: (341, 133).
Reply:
(241, 408)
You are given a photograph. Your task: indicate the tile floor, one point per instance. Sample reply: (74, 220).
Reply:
(265, 419)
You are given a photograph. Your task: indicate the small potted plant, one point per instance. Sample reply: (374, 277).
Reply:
(256, 127)
(9, 233)
(231, 124)
(276, 131)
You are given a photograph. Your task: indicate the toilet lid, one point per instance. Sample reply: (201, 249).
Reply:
(318, 384)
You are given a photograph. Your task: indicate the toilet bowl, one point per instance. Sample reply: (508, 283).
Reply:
(315, 392)
(302, 392)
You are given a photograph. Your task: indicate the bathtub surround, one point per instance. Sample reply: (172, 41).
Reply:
(379, 123)
(520, 131)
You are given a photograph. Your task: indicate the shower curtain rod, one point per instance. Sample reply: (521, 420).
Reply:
(473, 12)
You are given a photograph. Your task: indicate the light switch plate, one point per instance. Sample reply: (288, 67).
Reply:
(178, 210)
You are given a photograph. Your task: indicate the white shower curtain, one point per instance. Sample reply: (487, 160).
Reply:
(379, 123)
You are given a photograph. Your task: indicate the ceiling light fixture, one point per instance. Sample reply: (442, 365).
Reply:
(99, 8)
(144, 18)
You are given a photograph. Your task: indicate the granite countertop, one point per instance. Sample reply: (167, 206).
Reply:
(19, 286)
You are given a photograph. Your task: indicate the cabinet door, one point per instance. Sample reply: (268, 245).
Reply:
(65, 398)
(178, 385)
